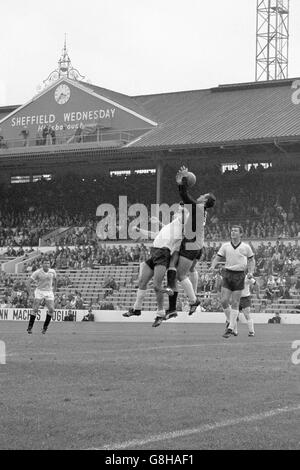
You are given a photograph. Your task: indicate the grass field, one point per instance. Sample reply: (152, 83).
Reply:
(131, 386)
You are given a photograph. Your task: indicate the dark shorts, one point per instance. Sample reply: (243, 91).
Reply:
(233, 280)
(245, 302)
(189, 254)
(159, 257)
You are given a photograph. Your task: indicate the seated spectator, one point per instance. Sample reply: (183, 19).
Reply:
(89, 316)
(110, 283)
(6, 302)
(71, 302)
(275, 319)
(270, 293)
(107, 306)
(286, 293)
(79, 304)
(70, 316)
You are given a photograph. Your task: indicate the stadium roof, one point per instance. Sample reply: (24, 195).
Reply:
(228, 114)
(6, 110)
(124, 100)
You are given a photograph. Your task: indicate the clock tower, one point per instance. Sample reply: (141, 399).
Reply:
(64, 70)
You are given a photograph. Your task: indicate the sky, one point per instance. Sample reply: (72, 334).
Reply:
(135, 47)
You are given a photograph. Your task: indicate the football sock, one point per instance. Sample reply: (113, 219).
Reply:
(227, 314)
(172, 301)
(171, 277)
(233, 319)
(194, 280)
(31, 321)
(251, 325)
(47, 321)
(160, 313)
(140, 295)
(188, 289)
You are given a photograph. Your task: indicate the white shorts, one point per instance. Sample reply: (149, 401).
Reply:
(43, 294)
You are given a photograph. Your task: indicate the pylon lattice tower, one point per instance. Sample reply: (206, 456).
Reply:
(272, 39)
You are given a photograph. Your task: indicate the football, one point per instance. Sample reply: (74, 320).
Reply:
(191, 178)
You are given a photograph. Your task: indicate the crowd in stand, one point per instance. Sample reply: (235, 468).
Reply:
(92, 256)
(259, 199)
(15, 294)
(26, 227)
(277, 269)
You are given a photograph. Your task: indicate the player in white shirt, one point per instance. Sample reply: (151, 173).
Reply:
(183, 263)
(239, 258)
(245, 303)
(165, 243)
(45, 280)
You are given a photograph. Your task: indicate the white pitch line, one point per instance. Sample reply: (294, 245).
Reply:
(197, 345)
(201, 429)
(145, 349)
(31, 354)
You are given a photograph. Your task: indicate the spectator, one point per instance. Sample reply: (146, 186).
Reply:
(70, 316)
(25, 134)
(89, 316)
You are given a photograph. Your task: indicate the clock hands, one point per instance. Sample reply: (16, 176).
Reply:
(62, 95)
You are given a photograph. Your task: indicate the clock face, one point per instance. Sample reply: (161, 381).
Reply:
(62, 94)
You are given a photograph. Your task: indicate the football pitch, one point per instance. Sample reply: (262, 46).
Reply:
(111, 386)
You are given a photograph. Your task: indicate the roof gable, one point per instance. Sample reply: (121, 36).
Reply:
(124, 100)
(67, 105)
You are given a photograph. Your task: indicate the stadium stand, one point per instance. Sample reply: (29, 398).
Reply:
(259, 200)
(242, 142)
(112, 285)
